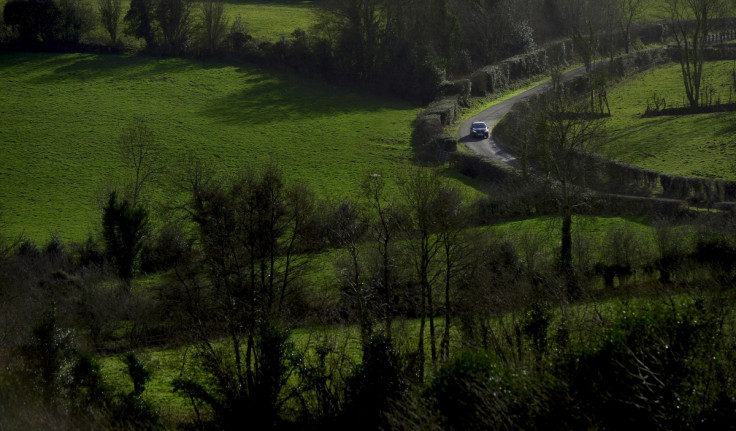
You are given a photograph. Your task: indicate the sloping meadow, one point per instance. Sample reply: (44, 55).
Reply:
(63, 115)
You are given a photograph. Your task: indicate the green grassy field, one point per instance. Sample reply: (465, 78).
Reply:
(263, 19)
(63, 114)
(269, 20)
(701, 145)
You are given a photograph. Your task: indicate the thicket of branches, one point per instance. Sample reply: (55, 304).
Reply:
(418, 279)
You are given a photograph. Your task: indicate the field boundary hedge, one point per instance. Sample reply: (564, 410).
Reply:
(618, 177)
(431, 142)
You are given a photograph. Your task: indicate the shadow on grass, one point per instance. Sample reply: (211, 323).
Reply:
(277, 98)
(82, 67)
(478, 185)
(266, 96)
(730, 126)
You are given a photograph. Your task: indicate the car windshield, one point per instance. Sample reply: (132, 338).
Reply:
(479, 125)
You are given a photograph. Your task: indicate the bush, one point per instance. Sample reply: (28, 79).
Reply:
(167, 249)
(35, 21)
(376, 382)
(656, 367)
(77, 19)
(476, 392)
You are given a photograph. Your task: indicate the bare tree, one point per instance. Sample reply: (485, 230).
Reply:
(214, 25)
(565, 132)
(110, 11)
(242, 287)
(384, 230)
(174, 19)
(691, 21)
(628, 12)
(348, 229)
(452, 219)
(420, 190)
(139, 149)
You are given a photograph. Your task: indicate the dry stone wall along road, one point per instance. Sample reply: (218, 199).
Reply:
(488, 147)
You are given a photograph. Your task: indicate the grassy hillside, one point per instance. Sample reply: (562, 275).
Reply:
(62, 116)
(699, 145)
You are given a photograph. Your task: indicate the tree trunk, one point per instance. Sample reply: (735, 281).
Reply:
(420, 344)
(568, 271)
(445, 344)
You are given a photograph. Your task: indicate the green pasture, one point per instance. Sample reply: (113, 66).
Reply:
(62, 115)
(269, 20)
(699, 145)
(263, 19)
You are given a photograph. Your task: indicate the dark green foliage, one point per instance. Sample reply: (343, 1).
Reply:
(256, 399)
(49, 22)
(456, 393)
(659, 368)
(718, 254)
(535, 326)
(374, 385)
(174, 20)
(139, 21)
(66, 378)
(131, 409)
(168, 248)
(89, 254)
(77, 19)
(52, 347)
(34, 20)
(137, 372)
(476, 392)
(124, 228)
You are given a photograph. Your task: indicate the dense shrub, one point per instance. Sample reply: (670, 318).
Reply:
(35, 21)
(660, 366)
(460, 88)
(49, 22)
(374, 385)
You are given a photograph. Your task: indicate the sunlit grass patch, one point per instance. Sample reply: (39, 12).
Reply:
(701, 145)
(63, 114)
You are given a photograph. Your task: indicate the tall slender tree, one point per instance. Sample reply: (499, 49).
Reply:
(691, 21)
(110, 11)
(565, 132)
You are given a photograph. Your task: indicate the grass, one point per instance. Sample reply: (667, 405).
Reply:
(263, 19)
(167, 364)
(62, 116)
(700, 145)
(269, 20)
(593, 230)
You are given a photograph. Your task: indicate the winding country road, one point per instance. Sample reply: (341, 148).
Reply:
(488, 147)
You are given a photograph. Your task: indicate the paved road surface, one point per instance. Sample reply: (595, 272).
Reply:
(491, 116)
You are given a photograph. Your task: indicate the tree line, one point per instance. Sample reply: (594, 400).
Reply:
(405, 48)
(415, 274)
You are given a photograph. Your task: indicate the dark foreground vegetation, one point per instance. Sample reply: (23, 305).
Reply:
(457, 327)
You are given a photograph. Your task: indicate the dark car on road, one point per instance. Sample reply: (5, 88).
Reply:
(479, 130)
